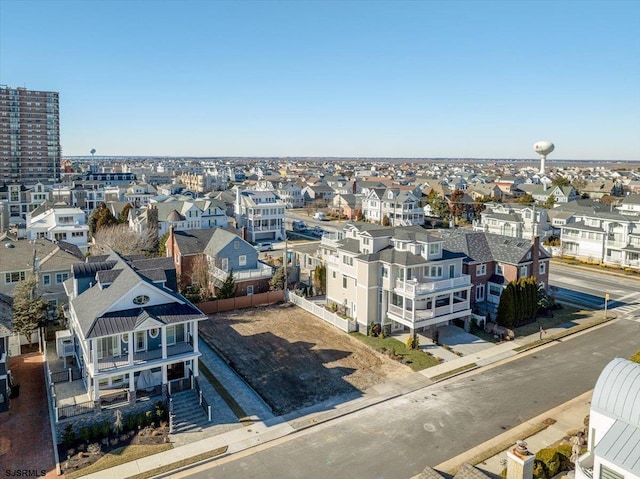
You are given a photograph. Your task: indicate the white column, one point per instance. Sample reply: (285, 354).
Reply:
(96, 389)
(94, 355)
(194, 327)
(163, 339)
(132, 381)
(451, 302)
(131, 342)
(164, 374)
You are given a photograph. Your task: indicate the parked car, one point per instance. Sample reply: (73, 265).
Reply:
(264, 247)
(298, 225)
(320, 215)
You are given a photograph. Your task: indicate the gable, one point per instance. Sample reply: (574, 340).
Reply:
(148, 323)
(132, 298)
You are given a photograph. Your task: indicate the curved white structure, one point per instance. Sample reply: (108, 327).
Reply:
(543, 148)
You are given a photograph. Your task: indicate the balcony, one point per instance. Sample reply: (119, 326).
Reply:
(418, 318)
(584, 466)
(330, 239)
(263, 271)
(413, 288)
(122, 361)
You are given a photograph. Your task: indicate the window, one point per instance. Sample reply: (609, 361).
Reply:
(125, 338)
(109, 346)
(242, 260)
(61, 277)
(524, 271)
(141, 341)
(543, 268)
(14, 277)
(225, 264)
(236, 244)
(494, 290)
(499, 269)
(385, 271)
(344, 281)
(348, 260)
(434, 248)
(606, 473)
(46, 279)
(333, 274)
(154, 332)
(249, 290)
(140, 300)
(480, 292)
(481, 270)
(171, 335)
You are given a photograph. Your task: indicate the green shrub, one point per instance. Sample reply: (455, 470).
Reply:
(148, 418)
(96, 431)
(106, 428)
(130, 422)
(551, 461)
(68, 436)
(85, 433)
(635, 358)
(140, 419)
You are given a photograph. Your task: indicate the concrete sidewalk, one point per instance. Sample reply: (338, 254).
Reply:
(269, 428)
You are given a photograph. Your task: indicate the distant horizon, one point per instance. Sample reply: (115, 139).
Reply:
(383, 79)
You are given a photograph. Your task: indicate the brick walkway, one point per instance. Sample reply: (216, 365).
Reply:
(25, 431)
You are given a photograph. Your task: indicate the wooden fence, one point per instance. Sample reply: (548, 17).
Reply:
(346, 325)
(240, 302)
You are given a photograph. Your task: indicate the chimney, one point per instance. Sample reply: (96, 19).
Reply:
(520, 462)
(170, 242)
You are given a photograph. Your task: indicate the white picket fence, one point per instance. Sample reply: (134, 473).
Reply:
(319, 311)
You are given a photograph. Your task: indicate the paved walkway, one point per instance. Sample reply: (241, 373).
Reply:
(25, 436)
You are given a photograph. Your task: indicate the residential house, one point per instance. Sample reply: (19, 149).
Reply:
(401, 278)
(224, 251)
(261, 214)
(603, 237)
(561, 194)
(630, 205)
(53, 262)
(614, 425)
(399, 205)
(493, 261)
(59, 222)
(513, 219)
(348, 205)
(318, 194)
(131, 330)
(183, 215)
(290, 194)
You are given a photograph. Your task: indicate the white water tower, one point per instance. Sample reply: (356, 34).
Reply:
(543, 148)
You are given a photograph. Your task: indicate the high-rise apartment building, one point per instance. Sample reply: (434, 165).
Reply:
(29, 135)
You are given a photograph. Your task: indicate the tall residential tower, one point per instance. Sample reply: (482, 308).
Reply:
(29, 135)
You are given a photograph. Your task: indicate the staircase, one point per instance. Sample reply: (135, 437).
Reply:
(188, 414)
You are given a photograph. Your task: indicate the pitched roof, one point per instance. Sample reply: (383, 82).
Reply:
(193, 241)
(482, 247)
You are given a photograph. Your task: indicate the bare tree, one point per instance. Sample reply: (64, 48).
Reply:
(120, 239)
(200, 280)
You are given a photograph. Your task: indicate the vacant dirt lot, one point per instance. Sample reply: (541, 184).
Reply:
(293, 359)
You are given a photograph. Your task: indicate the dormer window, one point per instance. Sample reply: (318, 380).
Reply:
(390, 195)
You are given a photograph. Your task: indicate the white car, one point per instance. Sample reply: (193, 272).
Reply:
(319, 215)
(264, 247)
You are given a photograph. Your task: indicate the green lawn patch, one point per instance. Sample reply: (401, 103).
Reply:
(119, 456)
(453, 372)
(178, 464)
(415, 359)
(224, 394)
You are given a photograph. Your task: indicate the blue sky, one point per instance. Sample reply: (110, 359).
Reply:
(304, 78)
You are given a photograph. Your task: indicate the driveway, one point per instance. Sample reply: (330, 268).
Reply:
(461, 341)
(25, 431)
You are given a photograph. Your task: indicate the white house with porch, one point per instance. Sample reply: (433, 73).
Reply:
(130, 329)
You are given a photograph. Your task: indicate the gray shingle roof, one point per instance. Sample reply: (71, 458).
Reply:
(121, 321)
(483, 247)
(193, 241)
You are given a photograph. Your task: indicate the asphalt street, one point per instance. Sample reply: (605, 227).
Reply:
(398, 438)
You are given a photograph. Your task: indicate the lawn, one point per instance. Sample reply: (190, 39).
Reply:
(415, 359)
(119, 456)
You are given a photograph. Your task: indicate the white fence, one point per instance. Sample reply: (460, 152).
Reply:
(322, 313)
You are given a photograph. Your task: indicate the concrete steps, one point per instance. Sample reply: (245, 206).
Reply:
(188, 414)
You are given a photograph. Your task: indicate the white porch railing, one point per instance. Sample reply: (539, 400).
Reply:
(346, 325)
(414, 288)
(263, 271)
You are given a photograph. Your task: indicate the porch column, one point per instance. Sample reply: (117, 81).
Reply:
(194, 367)
(132, 346)
(94, 356)
(194, 335)
(163, 340)
(451, 302)
(132, 381)
(96, 389)
(164, 374)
